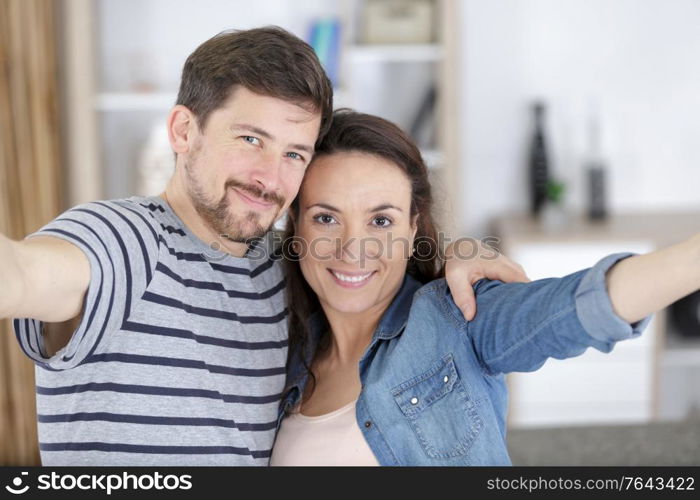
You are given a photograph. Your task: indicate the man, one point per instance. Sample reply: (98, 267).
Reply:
(179, 354)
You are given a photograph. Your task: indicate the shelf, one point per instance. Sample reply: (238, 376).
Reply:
(135, 101)
(658, 228)
(394, 53)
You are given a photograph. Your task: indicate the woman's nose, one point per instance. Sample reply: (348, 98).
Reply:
(358, 247)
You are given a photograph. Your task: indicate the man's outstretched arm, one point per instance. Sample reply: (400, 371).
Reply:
(42, 277)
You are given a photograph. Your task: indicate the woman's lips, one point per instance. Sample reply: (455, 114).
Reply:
(351, 280)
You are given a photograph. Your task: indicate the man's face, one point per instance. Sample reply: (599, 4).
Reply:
(246, 166)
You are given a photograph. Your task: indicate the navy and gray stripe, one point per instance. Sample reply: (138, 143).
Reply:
(178, 358)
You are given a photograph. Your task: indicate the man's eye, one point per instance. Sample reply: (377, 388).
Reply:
(251, 140)
(382, 221)
(294, 156)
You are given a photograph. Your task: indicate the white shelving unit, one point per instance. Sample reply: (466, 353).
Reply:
(394, 81)
(391, 81)
(394, 53)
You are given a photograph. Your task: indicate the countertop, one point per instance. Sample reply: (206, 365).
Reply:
(661, 228)
(658, 443)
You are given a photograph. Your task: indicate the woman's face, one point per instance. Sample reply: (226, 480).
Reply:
(355, 229)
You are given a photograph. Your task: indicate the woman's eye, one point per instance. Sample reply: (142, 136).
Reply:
(324, 219)
(251, 140)
(382, 221)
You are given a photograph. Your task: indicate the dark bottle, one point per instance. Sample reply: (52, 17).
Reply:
(597, 210)
(539, 164)
(596, 171)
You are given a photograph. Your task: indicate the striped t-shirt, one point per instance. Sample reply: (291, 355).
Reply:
(179, 357)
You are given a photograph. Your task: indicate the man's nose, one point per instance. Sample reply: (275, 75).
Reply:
(266, 174)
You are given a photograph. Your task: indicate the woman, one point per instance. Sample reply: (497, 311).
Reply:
(385, 370)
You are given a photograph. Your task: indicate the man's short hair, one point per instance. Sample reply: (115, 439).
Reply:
(268, 61)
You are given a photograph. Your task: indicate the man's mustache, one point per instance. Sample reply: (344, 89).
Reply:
(256, 192)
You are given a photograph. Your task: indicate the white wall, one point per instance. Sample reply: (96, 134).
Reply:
(639, 59)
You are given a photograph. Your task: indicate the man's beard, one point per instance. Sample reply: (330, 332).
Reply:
(238, 227)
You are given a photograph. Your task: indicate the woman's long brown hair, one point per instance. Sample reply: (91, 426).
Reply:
(358, 132)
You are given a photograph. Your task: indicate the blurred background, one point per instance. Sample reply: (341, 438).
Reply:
(567, 129)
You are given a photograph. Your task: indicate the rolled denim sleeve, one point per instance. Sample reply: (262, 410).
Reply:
(518, 326)
(594, 308)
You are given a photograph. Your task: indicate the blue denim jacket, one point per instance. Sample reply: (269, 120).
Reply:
(433, 386)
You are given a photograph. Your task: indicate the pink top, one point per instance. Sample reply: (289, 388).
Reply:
(330, 439)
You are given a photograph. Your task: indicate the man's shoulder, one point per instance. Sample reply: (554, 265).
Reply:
(151, 206)
(134, 205)
(108, 220)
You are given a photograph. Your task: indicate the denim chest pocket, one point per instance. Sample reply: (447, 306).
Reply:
(439, 410)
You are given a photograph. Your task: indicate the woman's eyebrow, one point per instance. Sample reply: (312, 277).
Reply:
(384, 206)
(378, 208)
(323, 205)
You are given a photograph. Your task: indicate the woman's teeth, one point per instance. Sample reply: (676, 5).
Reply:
(351, 279)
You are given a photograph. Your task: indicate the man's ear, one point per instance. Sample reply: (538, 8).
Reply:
(182, 128)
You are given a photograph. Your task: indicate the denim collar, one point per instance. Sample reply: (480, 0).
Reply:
(395, 317)
(391, 324)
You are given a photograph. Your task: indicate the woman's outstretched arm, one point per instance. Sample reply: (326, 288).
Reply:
(521, 325)
(643, 284)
